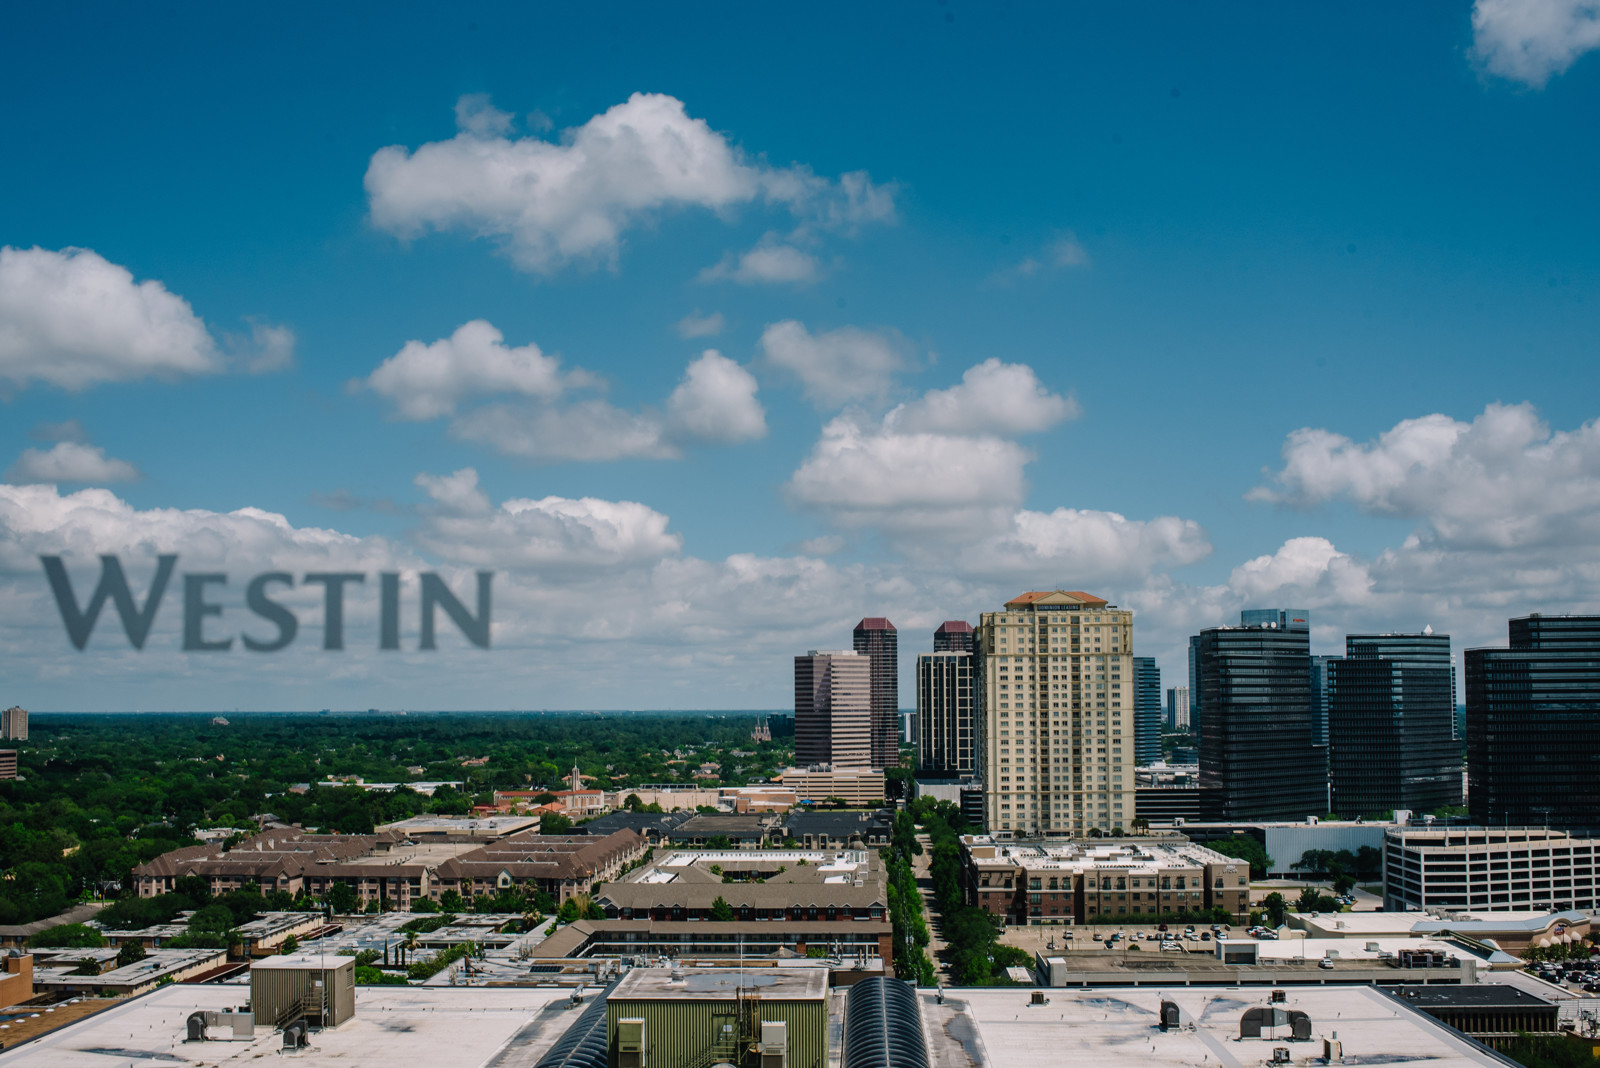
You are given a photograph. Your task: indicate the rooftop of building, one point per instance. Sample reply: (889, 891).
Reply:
(1476, 996)
(1033, 597)
(444, 1027)
(1133, 856)
(1002, 1028)
(302, 962)
(720, 984)
(875, 623)
(494, 827)
(838, 822)
(751, 879)
(954, 626)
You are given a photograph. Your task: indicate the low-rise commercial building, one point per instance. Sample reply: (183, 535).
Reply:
(820, 783)
(394, 869)
(779, 902)
(1490, 869)
(724, 830)
(839, 829)
(1047, 882)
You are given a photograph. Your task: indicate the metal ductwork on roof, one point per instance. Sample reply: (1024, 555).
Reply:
(883, 1026)
(584, 1043)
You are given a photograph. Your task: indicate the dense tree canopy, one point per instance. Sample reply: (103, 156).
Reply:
(100, 794)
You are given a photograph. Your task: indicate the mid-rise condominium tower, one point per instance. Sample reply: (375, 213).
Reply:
(833, 709)
(1057, 708)
(1533, 715)
(875, 639)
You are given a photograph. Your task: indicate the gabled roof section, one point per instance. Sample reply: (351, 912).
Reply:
(1039, 597)
(874, 623)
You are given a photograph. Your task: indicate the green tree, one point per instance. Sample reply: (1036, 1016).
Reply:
(67, 936)
(1245, 847)
(1276, 908)
(290, 944)
(342, 898)
(721, 910)
(451, 901)
(130, 952)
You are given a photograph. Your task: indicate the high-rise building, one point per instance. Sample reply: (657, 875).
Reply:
(1057, 711)
(1255, 743)
(14, 724)
(1178, 708)
(875, 638)
(1533, 714)
(1391, 718)
(833, 709)
(955, 636)
(1319, 699)
(1194, 683)
(1146, 711)
(947, 707)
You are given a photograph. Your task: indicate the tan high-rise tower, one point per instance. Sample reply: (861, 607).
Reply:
(1057, 677)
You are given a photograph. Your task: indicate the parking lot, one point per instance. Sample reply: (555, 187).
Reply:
(1147, 938)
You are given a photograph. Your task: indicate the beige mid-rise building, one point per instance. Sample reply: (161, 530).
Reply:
(1057, 714)
(14, 724)
(833, 709)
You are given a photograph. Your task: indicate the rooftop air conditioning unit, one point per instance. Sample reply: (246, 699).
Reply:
(631, 1051)
(774, 1044)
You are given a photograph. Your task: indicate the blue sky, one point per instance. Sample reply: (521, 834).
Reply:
(1195, 308)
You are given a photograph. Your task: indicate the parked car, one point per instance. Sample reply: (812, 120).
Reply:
(1171, 945)
(1205, 936)
(1325, 964)
(1161, 927)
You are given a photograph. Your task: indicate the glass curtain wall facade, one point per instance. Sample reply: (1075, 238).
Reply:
(1147, 711)
(1256, 758)
(1533, 718)
(1391, 725)
(875, 638)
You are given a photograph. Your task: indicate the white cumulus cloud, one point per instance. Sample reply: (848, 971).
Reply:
(426, 381)
(993, 397)
(71, 461)
(716, 401)
(834, 367)
(558, 202)
(697, 325)
(919, 484)
(74, 319)
(767, 263)
(1504, 480)
(1528, 41)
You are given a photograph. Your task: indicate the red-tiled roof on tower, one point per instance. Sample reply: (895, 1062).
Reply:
(874, 623)
(1039, 595)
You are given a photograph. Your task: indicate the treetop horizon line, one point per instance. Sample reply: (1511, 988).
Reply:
(137, 620)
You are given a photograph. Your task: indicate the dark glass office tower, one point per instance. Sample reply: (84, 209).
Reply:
(1146, 711)
(1256, 759)
(875, 638)
(1319, 699)
(1391, 725)
(1533, 726)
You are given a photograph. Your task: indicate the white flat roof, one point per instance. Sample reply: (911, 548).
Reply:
(303, 962)
(1110, 1025)
(441, 1027)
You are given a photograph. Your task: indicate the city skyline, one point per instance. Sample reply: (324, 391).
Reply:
(705, 368)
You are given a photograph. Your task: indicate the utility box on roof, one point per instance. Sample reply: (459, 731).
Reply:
(308, 986)
(709, 1016)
